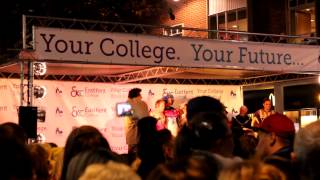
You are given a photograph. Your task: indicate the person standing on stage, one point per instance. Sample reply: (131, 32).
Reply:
(242, 118)
(158, 113)
(263, 113)
(139, 110)
(172, 115)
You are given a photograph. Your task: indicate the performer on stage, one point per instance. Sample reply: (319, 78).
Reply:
(263, 113)
(139, 110)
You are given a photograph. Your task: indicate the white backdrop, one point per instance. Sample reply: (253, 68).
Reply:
(71, 104)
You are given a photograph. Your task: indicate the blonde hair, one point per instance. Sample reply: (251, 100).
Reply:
(252, 170)
(111, 171)
(56, 161)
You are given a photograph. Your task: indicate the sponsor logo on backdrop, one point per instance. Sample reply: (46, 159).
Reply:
(59, 131)
(58, 91)
(59, 111)
(116, 92)
(16, 86)
(3, 108)
(233, 93)
(3, 87)
(166, 92)
(86, 91)
(210, 91)
(41, 129)
(150, 93)
(103, 130)
(117, 131)
(233, 111)
(87, 111)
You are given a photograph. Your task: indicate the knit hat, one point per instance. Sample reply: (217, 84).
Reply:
(280, 124)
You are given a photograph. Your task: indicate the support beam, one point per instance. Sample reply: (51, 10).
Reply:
(154, 72)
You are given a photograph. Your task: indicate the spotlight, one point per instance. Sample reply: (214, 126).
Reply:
(41, 115)
(39, 68)
(39, 92)
(41, 138)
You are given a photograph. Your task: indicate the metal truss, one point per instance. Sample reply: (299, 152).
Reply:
(158, 80)
(141, 75)
(156, 74)
(275, 78)
(91, 25)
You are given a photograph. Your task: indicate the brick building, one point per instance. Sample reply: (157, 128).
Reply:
(294, 17)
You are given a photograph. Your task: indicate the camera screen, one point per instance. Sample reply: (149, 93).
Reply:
(123, 109)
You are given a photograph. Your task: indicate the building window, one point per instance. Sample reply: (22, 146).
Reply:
(303, 21)
(293, 3)
(234, 20)
(300, 3)
(175, 30)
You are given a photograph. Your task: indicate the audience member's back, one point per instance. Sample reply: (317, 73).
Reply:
(15, 157)
(251, 170)
(82, 139)
(212, 115)
(39, 161)
(197, 166)
(203, 104)
(109, 171)
(14, 130)
(78, 163)
(207, 132)
(307, 151)
(149, 146)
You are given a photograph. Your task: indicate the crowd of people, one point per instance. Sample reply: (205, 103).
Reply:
(206, 146)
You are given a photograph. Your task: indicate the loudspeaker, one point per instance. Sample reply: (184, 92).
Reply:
(28, 120)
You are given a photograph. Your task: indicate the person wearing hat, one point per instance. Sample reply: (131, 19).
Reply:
(275, 145)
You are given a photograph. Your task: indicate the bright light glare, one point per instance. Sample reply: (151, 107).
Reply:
(40, 68)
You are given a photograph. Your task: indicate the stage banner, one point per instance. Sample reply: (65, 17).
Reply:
(63, 106)
(138, 49)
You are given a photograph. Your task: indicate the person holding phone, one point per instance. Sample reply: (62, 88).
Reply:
(139, 110)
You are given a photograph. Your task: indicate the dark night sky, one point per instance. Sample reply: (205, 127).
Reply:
(132, 11)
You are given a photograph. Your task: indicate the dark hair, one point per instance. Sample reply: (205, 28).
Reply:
(149, 148)
(82, 160)
(40, 161)
(82, 139)
(135, 92)
(266, 99)
(207, 128)
(147, 136)
(198, 166)
(203, 104)
(307, 150)
(15, 158)
(14, 130)
(203, 133)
